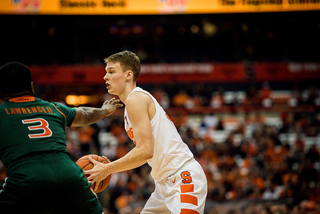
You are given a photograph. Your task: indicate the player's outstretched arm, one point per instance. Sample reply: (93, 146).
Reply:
(89, 115)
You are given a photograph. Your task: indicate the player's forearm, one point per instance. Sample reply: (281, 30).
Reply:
(133, 159)
(90, 115)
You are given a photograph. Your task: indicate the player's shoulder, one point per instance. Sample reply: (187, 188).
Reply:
(58, 104)
(138, 97)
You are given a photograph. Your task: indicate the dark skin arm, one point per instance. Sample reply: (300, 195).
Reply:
(89, 115)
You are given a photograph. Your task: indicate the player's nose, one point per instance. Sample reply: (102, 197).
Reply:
(105, 77)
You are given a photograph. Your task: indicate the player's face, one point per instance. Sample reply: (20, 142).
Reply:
(115, 78)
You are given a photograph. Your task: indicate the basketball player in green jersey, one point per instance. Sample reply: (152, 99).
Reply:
(41, 176)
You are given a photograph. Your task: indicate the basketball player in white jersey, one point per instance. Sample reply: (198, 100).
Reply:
(180, 183)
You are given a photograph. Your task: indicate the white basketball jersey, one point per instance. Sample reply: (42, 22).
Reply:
(170, 152)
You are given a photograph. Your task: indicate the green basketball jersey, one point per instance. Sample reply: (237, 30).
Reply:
(29, 125)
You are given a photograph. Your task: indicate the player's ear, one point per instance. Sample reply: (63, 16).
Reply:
(32, 88)
(129, 74)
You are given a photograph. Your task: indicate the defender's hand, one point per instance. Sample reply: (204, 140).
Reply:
(111, 105)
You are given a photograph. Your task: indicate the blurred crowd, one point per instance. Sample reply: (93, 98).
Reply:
(263, 169)
(258, 167)
(249, 97)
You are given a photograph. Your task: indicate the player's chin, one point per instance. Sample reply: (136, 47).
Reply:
(110, 91)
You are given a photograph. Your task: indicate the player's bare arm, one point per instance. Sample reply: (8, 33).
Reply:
(139, 109)
(88, 115)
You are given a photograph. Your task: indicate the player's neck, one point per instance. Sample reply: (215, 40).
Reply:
(123, 97)
(20, 94)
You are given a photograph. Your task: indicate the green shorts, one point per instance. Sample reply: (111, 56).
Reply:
(50, 183)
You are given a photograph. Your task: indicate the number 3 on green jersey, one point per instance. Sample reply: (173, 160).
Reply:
(39, 124)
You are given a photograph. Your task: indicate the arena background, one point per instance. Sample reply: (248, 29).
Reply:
(240, 80)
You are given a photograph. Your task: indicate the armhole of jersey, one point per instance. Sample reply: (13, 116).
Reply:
(155, 102)
(65, 119)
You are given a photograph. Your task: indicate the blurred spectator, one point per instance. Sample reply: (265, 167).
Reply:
(217, 99)
(313, 96)
(299, 144)
(265, 94)
(161, 96)
(210, 121)
(182, 99)
(86, 140)
(252, 99)
(199, 95)
(296, 98)
(122, 203)
(287, 122)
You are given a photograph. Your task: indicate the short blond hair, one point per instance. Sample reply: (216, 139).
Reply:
(128, 60)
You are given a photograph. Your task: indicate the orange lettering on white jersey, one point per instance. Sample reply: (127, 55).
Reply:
(130, 134)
